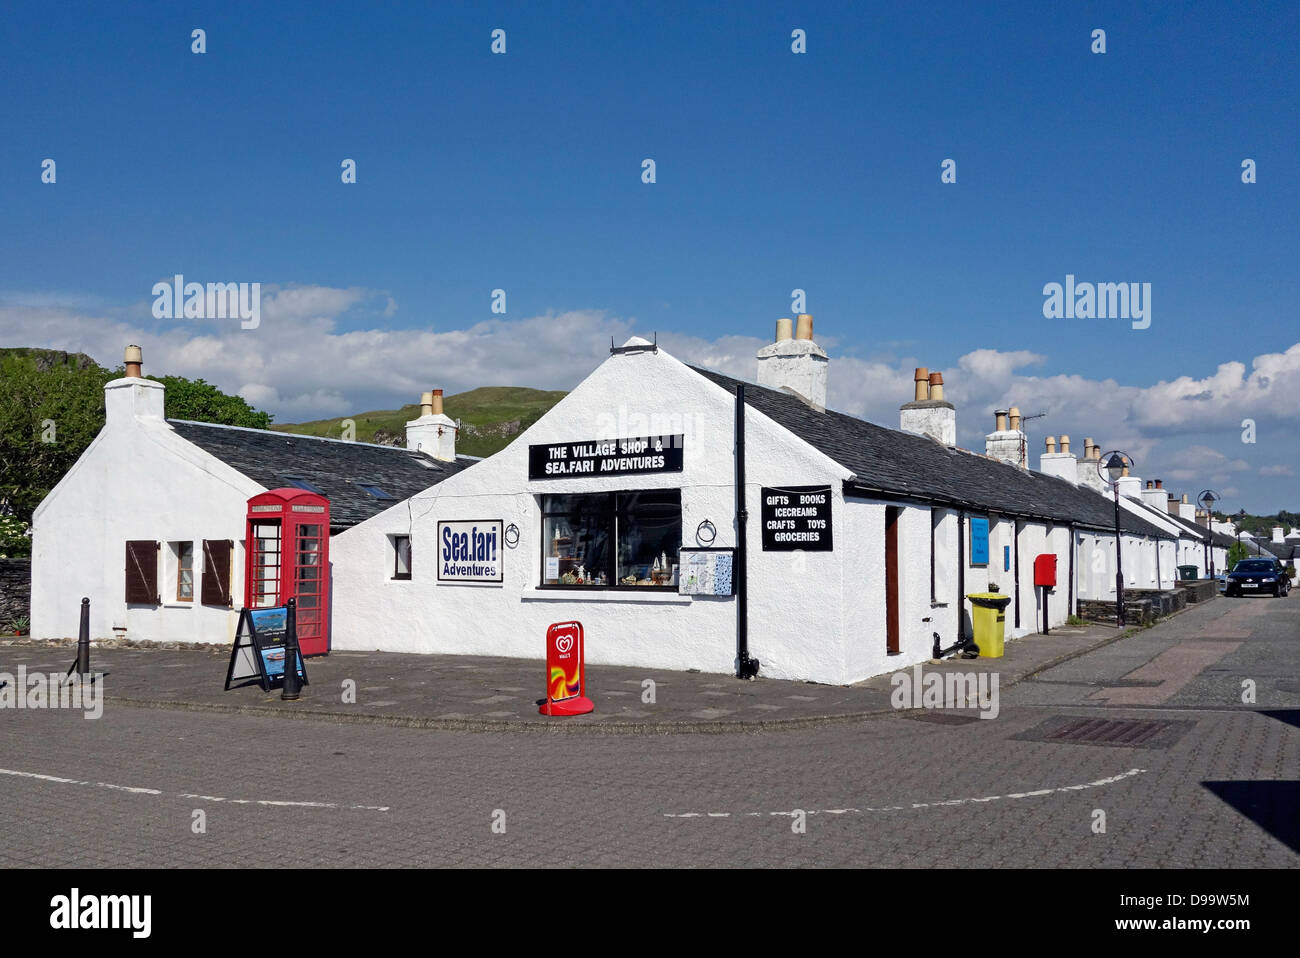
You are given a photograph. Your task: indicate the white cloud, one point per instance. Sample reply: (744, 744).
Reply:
(302, 363)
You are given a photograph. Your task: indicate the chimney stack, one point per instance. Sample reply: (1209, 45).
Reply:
(797, 365)
(132, 397)
(1279, 535)
(1061, 464)
(929, 414)
(1007, 443)
(434, 433)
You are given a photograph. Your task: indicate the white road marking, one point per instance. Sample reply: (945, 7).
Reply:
(949, 802)
(203, 798)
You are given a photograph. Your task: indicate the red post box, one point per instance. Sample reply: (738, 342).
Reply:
(287, 556)
(1045, 569)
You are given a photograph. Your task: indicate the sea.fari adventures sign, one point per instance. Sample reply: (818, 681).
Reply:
(469, 550)
(606, 457)
(797, 517)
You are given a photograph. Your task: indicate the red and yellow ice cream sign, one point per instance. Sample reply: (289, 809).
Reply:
(565, 681)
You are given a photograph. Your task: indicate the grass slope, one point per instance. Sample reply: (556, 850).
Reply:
(490, 417)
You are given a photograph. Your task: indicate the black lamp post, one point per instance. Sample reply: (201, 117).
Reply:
(1207, 499)
(1115, 464)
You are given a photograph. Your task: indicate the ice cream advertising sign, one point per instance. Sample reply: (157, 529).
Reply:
(565, 682)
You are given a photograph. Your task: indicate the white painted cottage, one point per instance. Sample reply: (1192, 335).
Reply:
(910, 525)
(149, 523)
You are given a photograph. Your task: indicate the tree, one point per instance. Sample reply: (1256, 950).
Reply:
(1236, 552)
(52, 407)
(200, 401)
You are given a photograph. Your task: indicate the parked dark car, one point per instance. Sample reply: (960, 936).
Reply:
(1253, 576)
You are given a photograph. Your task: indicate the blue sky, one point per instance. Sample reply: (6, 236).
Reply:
(775, 171)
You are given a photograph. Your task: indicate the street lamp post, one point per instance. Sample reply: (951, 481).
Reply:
(1115, 464)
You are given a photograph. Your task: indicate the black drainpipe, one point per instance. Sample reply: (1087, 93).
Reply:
(961, 576)
(746, 667)
(1015, 561)
(1070, 609)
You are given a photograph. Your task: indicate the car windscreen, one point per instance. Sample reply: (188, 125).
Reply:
(1253, 565)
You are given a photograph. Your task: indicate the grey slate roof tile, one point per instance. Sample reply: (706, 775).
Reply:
(333, 466)
(899, 463)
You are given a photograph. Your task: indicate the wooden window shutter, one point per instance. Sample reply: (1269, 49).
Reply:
(142, 572)
(216, 571)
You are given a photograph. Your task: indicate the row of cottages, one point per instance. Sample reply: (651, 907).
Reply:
(860, 542)
(151, 523)
(848, 549)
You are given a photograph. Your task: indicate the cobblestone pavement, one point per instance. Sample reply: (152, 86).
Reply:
(456, 692)
(896, 791)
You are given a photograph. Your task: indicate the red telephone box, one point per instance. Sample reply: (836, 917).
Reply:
(287, 556)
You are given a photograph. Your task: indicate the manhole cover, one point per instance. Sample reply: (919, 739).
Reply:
(1121, 733)
(941, 718)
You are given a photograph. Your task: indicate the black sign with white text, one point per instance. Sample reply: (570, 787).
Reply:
(606, 457)
(797, 517)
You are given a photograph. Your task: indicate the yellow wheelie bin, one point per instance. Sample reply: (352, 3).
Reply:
(990, 622)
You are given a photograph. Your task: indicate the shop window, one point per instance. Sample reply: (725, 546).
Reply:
(612, 540)
(401, 551)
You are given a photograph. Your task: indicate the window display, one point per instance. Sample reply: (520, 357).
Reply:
(626, 539)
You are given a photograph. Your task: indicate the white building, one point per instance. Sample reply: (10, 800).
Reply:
(618, 508)
(902, 544)
(149, 523)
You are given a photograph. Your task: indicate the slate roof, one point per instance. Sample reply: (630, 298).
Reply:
(899, 464)
(332, 465)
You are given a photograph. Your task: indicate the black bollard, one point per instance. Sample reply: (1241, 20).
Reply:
(83, 639)
(292, 686)
(81, 664)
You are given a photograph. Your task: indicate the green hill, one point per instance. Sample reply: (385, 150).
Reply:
(490, 417)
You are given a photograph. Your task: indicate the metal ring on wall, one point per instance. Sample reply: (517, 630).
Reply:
(511, 535)
(706, 532)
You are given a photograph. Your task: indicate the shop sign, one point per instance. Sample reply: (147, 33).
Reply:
(261, 647)
(706, 572)
(566, 682)
(979, 542)
(797, 518)
(606, 457)
(469, 550)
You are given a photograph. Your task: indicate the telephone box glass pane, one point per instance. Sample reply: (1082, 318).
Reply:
(266, 564)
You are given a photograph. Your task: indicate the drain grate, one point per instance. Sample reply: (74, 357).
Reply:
(941, 718)
(1120, 733)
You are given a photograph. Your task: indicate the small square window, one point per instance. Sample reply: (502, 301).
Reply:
(373, 491)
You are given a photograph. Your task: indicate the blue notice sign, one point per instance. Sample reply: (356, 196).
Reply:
(979, 542)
